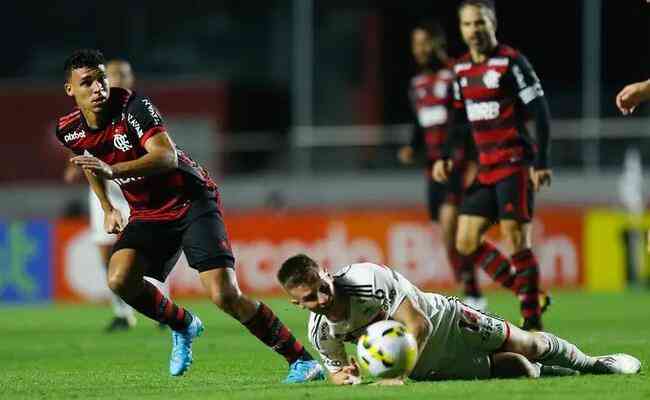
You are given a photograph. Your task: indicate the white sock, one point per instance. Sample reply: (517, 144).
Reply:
(564, 354)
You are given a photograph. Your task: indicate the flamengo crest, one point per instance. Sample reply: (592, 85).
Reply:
(491, 79)
(121, 142)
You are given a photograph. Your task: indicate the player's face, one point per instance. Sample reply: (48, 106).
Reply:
(421, 47)
(477, 28)
(89, 87)
(120, 74)
(316, 297)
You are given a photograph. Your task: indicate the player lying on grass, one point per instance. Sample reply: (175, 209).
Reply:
(454, 340)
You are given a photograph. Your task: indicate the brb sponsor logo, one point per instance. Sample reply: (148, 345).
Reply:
(483, 111)
(76, 135)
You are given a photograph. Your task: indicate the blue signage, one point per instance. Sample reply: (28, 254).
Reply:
(25, 261)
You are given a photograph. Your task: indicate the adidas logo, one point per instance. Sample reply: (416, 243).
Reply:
(74, 136)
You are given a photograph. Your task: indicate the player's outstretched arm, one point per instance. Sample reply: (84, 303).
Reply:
(458, 130)
(417, 324)
(343, 370)
(632, 95)
(98, 186)
(525, 82)
(541, 173)
(113, 222)
(161, 157)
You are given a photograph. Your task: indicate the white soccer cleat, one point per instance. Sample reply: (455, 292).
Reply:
(477, 303)
(618, 364)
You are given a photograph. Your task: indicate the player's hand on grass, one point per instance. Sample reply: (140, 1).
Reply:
(405, 155)
(540, 177)
(348, 375)
(113, 221)
(442, 169)
(95, 165)
(632, 95)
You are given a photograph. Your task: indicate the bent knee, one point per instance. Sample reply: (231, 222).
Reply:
(117, 282)
(537, 347)
(469, 233)
(514, 234)
(467, 243)
(226, 300)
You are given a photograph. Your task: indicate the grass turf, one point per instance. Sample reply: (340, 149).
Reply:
(60, 351)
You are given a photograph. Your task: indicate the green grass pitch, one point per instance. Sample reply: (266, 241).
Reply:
(59, 352)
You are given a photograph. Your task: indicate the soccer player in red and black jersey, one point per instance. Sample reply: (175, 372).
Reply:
(175, 205)
(430, 95)
(497, 90)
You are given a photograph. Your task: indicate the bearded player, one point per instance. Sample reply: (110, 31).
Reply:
(497, 90)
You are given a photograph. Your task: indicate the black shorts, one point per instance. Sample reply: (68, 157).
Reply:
(200, 234)
(450, 192)
(510, 198)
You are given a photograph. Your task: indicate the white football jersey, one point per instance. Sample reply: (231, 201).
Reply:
(375, 292)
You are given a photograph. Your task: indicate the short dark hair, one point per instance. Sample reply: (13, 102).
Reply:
(489, 4)
(434, 29)
(81, 58)
(297, 270)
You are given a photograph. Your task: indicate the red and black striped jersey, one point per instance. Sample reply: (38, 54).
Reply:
(431, 100)
(134, 120)
(494, 95)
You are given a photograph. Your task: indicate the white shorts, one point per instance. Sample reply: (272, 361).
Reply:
(461, 345)
(118, 201)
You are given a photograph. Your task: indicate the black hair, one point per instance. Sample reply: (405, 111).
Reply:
(297, 270)
(488, 4)
(81, 58)
(437, 34)
(434, 29)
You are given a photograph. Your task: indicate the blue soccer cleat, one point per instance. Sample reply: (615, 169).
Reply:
(304, 371)
(181, 357)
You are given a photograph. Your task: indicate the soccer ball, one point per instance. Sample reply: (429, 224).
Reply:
(387, 349)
